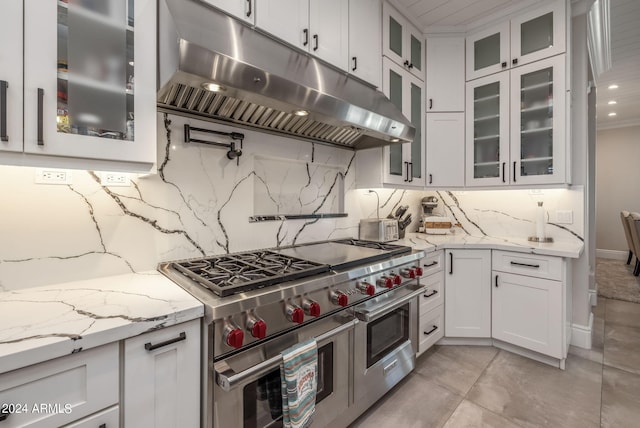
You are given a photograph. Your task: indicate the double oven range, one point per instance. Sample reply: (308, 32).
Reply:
(357, 299)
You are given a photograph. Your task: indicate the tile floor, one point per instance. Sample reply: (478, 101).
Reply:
(468, 386)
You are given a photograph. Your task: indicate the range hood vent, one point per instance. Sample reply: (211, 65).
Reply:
(259, 82)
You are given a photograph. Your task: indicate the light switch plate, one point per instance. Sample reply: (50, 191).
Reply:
(564, 217)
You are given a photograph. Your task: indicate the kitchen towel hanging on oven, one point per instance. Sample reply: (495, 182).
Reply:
(299, 370)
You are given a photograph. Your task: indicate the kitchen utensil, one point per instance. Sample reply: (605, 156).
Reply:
(400, 211)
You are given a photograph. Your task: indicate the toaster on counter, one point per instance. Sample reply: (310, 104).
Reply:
(379, 229)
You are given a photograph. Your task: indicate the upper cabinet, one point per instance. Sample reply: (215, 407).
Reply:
(402, 42)
(527, 37)
(445, 74)
(318, 27)
(245, 9)
(11, 76)
(89, 81)
(365, 40)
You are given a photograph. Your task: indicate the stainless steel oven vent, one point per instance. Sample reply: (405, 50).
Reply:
(215, 67)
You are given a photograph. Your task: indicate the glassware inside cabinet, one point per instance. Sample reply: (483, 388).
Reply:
(96, 68)
(486, 131)
(536, 122)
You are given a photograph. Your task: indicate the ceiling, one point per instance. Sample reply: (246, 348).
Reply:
(436, 15)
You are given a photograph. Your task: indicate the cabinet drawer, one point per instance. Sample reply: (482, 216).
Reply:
(63, 390)
(548, 267)
(433, 294)
(432, 263)
(109, 418)
(431, 328)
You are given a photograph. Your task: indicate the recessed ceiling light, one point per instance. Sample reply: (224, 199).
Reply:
(612, 114)
(395, 140)
(612, 102)
(614, 86)
(213, 87)
(301, 113)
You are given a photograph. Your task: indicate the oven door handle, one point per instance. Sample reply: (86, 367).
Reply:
(228, 379)
(370, 314)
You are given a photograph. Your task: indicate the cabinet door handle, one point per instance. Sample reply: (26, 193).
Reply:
(434, 328)
(433, 293)
(450, 263)
(3, 107)
(355, 63)
(105, 425)
(430, 103)
(515, 61)
(504, 64)
(514, 171)
(410, 66)
(4, 416)
(406, 63)
(406, 171)
(525, 264)
(410, 172)
(149, 347)
(305, 32)
(504, 179)
(496, 281)
(430, 264)
(249, 11)
(315, 38)
(430, 178)
(40, 117)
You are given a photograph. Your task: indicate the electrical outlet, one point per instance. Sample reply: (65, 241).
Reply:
(564, 217)
(113, 179)
(53, 176)
(535, 191)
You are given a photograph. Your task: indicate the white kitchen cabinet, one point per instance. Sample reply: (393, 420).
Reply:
(467, 296)
(243, 9)
(529, 302)
(63, 390)
(162, 377)
(320, 27)
(365, 34)
(109, 418)
(402, 42)
(516, 126)
(445, 145)
(90, 81)
(445, 74)
(527, 37)
(11, 76)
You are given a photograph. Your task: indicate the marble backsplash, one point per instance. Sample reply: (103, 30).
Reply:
(200, 202)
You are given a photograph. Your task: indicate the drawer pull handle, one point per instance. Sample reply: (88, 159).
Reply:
(496, 281)
(433, 293)
(450, 263)
(149, 347)
(525, 264)
(434, 328)
(40, 117)
(3, 106)
(431, 264)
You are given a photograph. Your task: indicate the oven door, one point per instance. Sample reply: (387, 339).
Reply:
(385, 342)
(247, 390)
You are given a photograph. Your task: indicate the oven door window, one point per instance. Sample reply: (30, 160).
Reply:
(262, 399)
(387, 333)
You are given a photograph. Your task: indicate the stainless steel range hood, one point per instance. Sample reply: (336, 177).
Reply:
(264, 83)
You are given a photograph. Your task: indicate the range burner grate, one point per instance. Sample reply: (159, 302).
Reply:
(237, 273)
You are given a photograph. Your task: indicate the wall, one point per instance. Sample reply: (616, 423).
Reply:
(618, 183)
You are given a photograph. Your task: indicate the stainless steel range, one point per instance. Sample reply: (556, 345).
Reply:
(259, 303)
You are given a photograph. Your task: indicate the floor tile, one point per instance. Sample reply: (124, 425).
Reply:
(598, 310)
(533, 394)
(622, 313)
(417, 403)
(470, 415)
(620, 398)
(456, 367)
(622, 347)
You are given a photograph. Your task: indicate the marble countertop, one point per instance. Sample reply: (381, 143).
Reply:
(41, 323)
(458, 239)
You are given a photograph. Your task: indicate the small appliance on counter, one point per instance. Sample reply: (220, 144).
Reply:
(379, 229)
(434, 225)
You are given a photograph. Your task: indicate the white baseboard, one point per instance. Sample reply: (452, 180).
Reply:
(581, 334)
(529, 354)
(612, 254)
(473, 341)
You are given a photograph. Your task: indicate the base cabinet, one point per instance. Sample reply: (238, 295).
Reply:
(431, 303)
(468, 293)
(109, 418)
(162, 378)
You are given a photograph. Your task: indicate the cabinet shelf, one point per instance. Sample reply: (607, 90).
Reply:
(487, 98)
(485, 118)
(492, 163)
(537, 108)
(536, 130)
(537, 86)
(540, 159)
(85, 81)
(487, 137)
(95, 17)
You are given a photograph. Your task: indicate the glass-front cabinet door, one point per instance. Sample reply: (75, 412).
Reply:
(538, 122)
(404, 163)
(538, 34)
(90, 79)
(11, 76)
(487, 133)
(487, 51)
(402, 42)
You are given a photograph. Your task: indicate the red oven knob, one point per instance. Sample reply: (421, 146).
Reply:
(418, 270)
(408, 273)
(258, 328)
(234, 337)
(295, 314)
(311, 308)
(397, 280)
(385, 281)
(366, 288)
(339, 298)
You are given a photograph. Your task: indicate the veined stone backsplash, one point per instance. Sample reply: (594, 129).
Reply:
(200, 202)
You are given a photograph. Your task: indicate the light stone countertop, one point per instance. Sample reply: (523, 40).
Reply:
(422, 241)
(41, 323)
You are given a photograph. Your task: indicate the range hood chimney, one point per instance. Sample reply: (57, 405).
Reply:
(214, 67)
